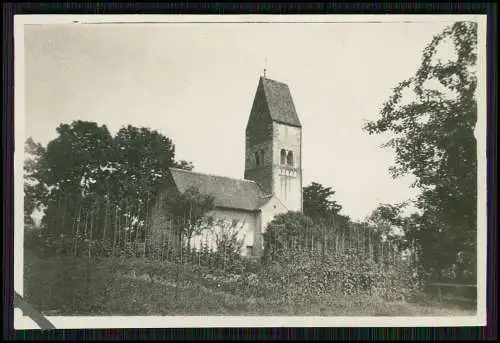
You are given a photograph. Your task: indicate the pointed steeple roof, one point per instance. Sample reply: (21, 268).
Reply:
(277, 101)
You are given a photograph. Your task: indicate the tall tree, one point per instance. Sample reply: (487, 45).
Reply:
(434, 140)
(289, 231)
(320, 206)
(387, 219)
(388, 227)
(34, 188)
(190, 209)
(142, 157)
(71, 169)
(318, 202)
(74, 158)
(85, 169)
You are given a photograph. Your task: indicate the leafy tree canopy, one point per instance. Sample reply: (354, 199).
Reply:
(318, 201)
(432, 117)
(85, 166)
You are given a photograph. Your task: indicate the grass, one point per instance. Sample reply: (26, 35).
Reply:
(66, 285)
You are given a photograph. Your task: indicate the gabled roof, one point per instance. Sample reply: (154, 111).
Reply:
(227, 192)
(279, 102)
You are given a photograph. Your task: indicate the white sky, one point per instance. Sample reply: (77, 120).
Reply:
(195, 83)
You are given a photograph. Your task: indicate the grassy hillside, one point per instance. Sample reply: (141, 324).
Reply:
(68, 285)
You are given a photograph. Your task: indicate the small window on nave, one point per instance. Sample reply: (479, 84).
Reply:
(262, 156)
(257, 159)
(289, 159)
(283, 156)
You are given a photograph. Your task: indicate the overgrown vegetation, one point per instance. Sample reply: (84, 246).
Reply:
(58, 282)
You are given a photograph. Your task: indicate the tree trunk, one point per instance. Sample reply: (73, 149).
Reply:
(189, 235)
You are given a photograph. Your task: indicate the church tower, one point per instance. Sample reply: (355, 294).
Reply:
(274, 144)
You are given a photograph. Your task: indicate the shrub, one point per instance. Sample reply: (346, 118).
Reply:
(291, 229)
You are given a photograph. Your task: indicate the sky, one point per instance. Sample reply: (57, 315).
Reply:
(195, 83)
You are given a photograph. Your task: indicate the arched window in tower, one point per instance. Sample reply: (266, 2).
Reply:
(257, 159)
(289, 159)
(283, 156)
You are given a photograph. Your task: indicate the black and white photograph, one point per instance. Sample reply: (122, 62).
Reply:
(197, 171)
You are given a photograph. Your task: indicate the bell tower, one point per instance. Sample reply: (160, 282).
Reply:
(273, 146)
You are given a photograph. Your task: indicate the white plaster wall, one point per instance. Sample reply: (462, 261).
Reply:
(246, 228)
(272, 208)
(288, 182)
(289, 138)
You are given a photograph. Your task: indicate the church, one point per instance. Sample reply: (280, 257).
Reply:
(272, 180)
